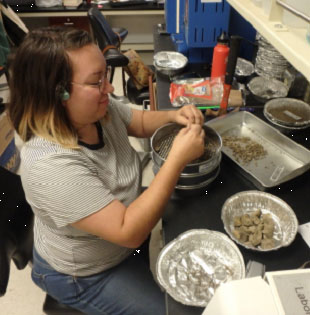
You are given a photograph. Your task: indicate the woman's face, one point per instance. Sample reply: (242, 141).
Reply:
(88, 98)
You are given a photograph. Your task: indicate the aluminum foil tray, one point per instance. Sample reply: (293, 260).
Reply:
(192, 266)
(283, 160)
(244, 67)
(288, 112)
(267, 88)
(247, 202)
(170, 62)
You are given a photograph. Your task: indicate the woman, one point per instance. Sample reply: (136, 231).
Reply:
(83, 179)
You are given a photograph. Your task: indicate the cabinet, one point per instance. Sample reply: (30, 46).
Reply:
(139, 23)
(289, 41)
(72, 21)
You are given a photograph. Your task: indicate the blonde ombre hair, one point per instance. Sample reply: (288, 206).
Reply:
(39, 74)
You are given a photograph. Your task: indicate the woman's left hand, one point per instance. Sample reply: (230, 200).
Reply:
(189, 114)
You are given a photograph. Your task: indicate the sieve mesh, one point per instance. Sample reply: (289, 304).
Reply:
(164, 144)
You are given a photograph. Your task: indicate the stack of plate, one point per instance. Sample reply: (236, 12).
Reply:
(269, 62)
(288, 113)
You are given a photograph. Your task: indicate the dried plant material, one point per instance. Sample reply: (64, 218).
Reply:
(246, 220)
(244, 149)
(237, 221)
(256, 238)
(287, 114)
(289, 111)
(267, 243)
(255, 229)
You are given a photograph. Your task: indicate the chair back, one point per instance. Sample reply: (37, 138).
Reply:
(107, 40)
(103, 33)
(14, 27)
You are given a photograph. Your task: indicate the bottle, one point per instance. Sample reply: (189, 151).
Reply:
(220, 57)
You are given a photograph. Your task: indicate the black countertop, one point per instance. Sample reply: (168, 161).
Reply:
(204, 211)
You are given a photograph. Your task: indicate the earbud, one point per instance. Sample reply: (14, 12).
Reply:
(65, 95)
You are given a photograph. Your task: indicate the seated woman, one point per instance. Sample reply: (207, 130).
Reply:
(82, 178)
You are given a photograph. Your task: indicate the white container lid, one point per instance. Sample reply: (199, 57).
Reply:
(292, 20)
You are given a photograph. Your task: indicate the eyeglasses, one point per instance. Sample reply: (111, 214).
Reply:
(101, 83)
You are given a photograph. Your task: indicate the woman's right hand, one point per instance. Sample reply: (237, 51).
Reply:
(188, 145)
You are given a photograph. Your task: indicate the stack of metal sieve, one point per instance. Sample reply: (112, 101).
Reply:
(269, 62)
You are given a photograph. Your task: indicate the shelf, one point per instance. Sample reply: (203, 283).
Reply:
(139, 38)
(290, 42)
(138, 46)
(84, 13)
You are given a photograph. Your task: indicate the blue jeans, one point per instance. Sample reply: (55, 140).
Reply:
(128, 288)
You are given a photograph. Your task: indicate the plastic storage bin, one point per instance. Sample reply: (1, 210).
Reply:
(266, 7)
(204, 22)
(292, 20)
(258, 3)
(172, 16)
(199, 26)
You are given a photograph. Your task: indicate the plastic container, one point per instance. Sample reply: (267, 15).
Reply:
(258, 3)
(292, 20)
(220, 57)
(266, 7)
(48, 3)
(174, 19)
(204, 21)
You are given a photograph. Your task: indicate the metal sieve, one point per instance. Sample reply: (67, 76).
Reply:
(196, 175)
(162, 141)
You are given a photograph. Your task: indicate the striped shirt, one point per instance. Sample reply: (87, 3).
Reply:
(64, 186)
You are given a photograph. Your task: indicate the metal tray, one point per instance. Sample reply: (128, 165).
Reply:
(285, 159)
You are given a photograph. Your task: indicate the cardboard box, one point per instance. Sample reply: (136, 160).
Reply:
(281, 293)
(9, 154)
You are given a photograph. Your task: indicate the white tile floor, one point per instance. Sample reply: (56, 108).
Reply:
(23, 297)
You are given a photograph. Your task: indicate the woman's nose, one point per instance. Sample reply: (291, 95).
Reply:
(108, 88)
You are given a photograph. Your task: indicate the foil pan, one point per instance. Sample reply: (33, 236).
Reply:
(170, 62)
(247, 202)
(267, 88)
(288, 112)
(282, 159)
(244, 67)
(191, 267)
